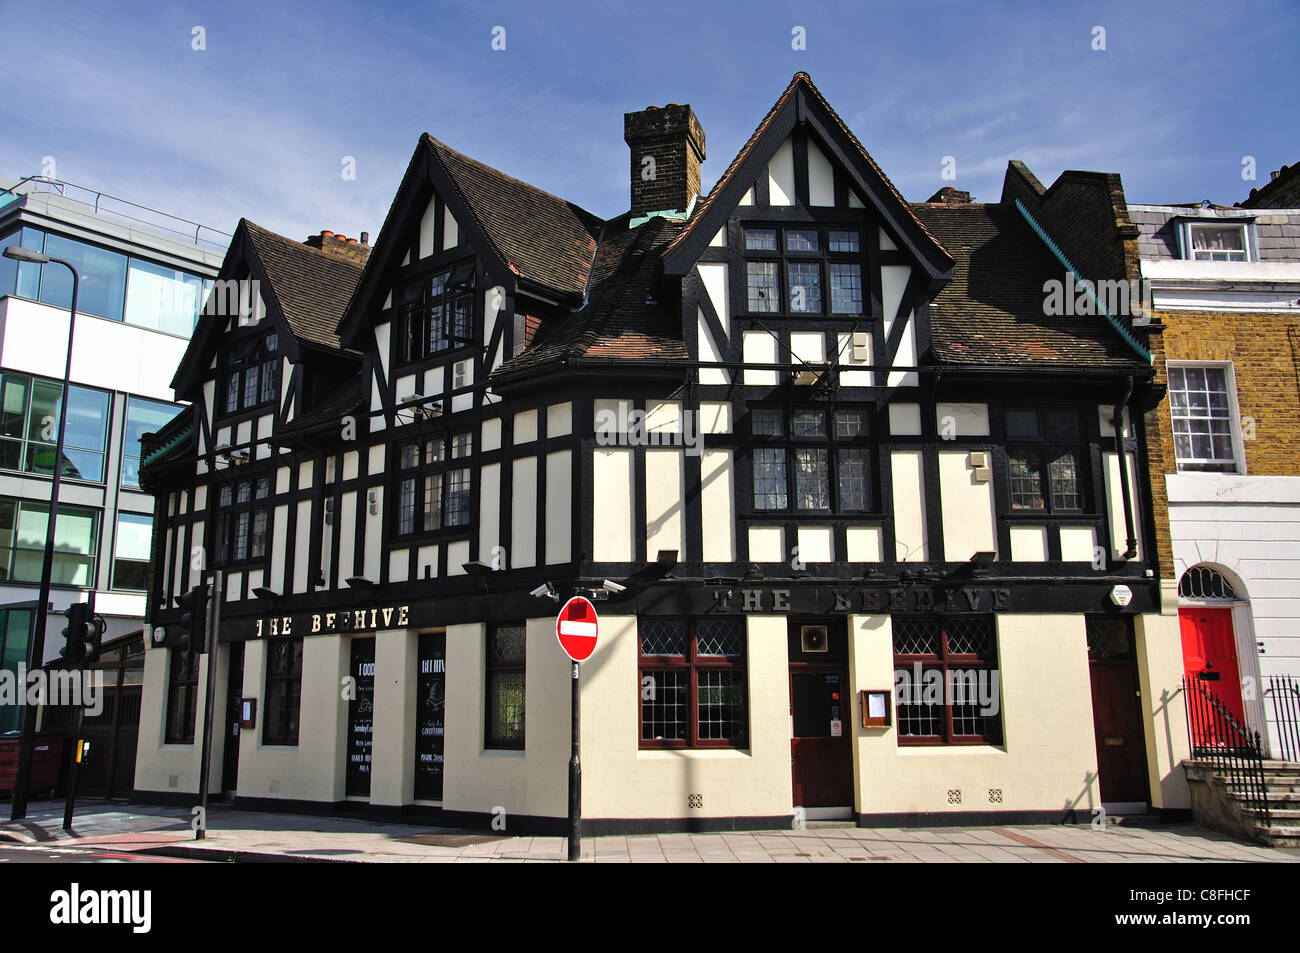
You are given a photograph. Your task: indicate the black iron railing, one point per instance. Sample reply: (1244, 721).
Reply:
(1220, 740)
(1284, 690)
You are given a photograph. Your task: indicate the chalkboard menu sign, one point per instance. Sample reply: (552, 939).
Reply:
(361, 717)
(430, 708)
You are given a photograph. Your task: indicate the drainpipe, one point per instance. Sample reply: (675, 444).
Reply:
(1125, 494)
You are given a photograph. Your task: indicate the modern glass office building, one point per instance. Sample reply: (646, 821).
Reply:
(143, 278)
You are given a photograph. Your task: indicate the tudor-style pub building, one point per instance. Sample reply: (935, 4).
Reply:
(862, 519)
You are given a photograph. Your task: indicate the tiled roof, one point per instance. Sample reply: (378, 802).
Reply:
(540, 236)
(620, 318)
(311, 287)
(992, 312)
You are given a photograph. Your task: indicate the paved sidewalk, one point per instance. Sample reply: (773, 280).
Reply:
(246, 836)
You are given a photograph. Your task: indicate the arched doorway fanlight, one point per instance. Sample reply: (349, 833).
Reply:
(1204, 582)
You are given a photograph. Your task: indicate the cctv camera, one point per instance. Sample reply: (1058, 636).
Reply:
(612, 586)
(545, 591)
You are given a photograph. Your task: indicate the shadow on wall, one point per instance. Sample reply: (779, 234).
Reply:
(1072, 808)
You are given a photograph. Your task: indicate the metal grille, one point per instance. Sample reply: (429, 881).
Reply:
(664, 703)
(720, 637)
(721, 704)
(970, 637)
(916, 636)
(1202, 582)
(507, 645)
(1109, 637)
(663, 637)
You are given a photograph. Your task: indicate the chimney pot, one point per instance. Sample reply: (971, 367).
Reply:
(365, 238)
(325, 233)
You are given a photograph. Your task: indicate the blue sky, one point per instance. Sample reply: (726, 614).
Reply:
(258, 124)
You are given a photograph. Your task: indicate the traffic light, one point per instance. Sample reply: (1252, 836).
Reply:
(77, 632)
(95, 629)
(194, 619)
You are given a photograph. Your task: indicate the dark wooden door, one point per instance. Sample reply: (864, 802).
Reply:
(1210, 657)
(820, 756)
(1117, 721)
(234, 715)
(361, 717)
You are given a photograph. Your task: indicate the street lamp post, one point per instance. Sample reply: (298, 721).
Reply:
(36, 648)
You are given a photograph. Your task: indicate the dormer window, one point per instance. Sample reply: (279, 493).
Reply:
(439, 313)
(1216, 241)
(252, 373)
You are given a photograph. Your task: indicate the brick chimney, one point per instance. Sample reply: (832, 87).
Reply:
(670, 136)
(949, 196)
(340, 246)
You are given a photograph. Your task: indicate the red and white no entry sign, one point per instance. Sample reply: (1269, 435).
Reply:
(577, 627)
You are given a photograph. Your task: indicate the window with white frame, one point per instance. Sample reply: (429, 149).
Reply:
(1216, 241)
(1201, 404)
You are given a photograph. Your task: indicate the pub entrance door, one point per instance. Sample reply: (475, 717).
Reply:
(361, 717)
(1117, 714)
(234, 716)
(821, 754)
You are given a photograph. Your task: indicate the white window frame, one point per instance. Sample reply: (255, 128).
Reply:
(1188, 226)
(1234, 412)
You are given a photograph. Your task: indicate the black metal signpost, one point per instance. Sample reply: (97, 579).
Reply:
(575, 774)
(205, 765)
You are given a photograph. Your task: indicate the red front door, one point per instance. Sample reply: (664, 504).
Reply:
(1210, 658)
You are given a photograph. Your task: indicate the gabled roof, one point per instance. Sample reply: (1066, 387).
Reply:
(537, 235)
(311, 288)
(543, 240)
(622, 317)
(992, 312)
(306, 292)
(803, 102)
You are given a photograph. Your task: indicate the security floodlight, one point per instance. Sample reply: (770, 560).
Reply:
(360, 582)
(477, 568)
(667, 558)
(264, 593)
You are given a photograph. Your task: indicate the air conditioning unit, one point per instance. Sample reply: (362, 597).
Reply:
(812, 638)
